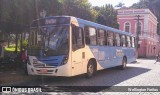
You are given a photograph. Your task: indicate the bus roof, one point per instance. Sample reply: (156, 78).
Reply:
(83, 22)
(96, 25)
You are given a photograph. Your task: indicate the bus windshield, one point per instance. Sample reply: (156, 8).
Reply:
(49, 41)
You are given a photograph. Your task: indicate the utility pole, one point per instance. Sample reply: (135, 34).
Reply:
(138, 32)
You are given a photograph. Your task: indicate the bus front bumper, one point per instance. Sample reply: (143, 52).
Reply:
(56, 71)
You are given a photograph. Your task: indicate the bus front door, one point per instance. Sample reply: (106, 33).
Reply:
(77, 50)
(77, 62)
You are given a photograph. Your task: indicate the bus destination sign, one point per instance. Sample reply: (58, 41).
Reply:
(50, 21)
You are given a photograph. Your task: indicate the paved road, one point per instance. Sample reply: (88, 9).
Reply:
(142, 73)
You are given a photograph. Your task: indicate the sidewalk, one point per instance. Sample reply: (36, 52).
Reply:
(13, 77)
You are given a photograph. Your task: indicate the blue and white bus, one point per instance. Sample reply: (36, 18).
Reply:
(70, 46)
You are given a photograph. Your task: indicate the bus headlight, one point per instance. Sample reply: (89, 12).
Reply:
(65, 60)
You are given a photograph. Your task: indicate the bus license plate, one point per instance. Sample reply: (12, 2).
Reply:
(42, 71)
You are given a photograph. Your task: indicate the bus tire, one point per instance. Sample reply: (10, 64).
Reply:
(124, 63)
(91, 69)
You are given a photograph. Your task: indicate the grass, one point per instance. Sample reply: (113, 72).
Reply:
(11, 48)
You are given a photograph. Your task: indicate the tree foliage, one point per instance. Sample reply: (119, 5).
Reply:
(24, 11)
(79, 8)
(107, 15)
(120, 4)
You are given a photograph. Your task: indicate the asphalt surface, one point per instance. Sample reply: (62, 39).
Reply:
(143, 73)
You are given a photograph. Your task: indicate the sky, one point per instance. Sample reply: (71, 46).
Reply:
(113, 2)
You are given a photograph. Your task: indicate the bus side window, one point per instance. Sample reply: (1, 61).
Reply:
(101, 37)
(106, 38)
(117, 39)
(123, 41)
(86, 31)
(110, 38)
(77, 38)
(133, 42)
(114, 39)
(90, 36)
(128, 42)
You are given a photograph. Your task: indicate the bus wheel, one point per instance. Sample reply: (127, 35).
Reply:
(90, 69)
(124, 63)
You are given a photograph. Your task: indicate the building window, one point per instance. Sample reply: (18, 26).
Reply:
(127, 27)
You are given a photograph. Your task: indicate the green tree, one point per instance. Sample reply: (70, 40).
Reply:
(107, 15)
(25, 11)
(120, 4)
(79, 8)
(141, 4)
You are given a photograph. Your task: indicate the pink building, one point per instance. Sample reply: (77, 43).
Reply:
(149, 45)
